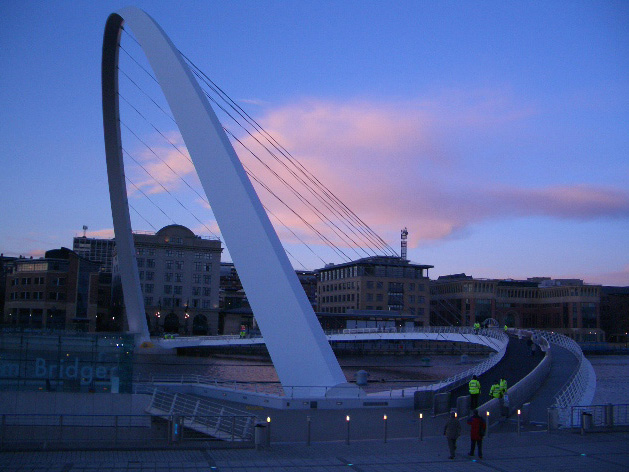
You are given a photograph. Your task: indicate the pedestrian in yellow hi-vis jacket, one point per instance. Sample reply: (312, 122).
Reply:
(474, 387)
(495, 391)
(503, 386)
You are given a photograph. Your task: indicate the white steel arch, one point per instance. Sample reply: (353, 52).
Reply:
(294, 338)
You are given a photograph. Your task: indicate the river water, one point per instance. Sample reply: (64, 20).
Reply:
(386, 372)
(612, 379)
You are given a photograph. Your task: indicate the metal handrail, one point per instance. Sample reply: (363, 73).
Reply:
(202, 414)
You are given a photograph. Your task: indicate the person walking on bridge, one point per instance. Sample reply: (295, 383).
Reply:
(474, 387)
(477, 431)
(495, 391)
(503, 387)
(452, 431)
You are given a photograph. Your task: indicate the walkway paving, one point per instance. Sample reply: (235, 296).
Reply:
(505, 452)
(516, 364)
(563, 366)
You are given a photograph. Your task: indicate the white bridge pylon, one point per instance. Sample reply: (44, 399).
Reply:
(294, 338)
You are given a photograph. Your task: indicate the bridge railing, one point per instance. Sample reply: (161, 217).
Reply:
(99, 432)
(465, 376)
(579, 387)
(496, 338)
(609, 415)
(204, 415)
(146, 384)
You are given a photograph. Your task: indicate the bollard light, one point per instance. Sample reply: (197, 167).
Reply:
(347, 418)
(519, 422)
(456, 414)
(268, 419)
(385, 428)
(421, 415)
(347, 439)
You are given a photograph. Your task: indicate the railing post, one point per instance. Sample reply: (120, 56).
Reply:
(60, 427)
(571, 417)
(233, 427)
(116, 430)
(4, 423)
(307, 435)
(609, 413)
(172, 405)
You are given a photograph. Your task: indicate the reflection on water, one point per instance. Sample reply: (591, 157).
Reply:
(385, 372)
(612, 379)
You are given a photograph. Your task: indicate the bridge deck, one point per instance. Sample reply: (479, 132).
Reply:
(514, 366)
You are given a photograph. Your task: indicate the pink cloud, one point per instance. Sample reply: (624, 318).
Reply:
(577, 201)
(390, 164)
(106, 233)
(36, 253)
(616, 278)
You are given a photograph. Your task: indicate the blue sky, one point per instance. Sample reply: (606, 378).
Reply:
(497, 132)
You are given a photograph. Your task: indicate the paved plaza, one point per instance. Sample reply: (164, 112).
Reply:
(528, 452)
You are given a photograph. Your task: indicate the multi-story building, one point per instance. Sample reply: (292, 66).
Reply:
(6, 265)
(95, 250)
(563, 304)
(58, 291)
(615, 313)
(235, 311)
(179, 276)
(377, 284)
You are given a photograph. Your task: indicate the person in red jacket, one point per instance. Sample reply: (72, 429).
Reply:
(477, 431)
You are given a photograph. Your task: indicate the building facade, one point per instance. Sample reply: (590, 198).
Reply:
(96, 250)
(542, 303)
(6, 267)
(57, 292)
(377, 284)
(179, 277)
(615, 313)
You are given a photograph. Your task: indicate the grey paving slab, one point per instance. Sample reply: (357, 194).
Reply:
(504, 452)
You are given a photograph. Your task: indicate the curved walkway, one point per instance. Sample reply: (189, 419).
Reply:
(562, 367)
(514, 366)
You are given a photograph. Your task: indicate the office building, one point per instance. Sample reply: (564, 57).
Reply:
(56, 292)
(566, 305)
(95, 250)
(379, 285)
(179, 277)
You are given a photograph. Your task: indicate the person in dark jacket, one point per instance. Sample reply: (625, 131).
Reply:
(477, 431)
(452, 431)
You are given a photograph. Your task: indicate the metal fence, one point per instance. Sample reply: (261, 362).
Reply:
(595, 416)
(33, 432)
